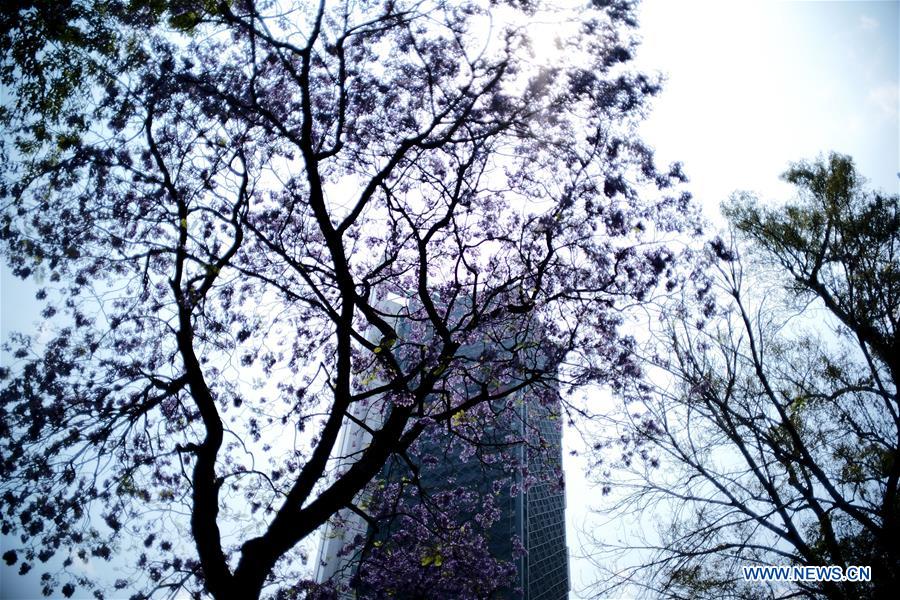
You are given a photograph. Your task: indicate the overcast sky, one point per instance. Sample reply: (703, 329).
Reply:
(755, 85)
(751, 86)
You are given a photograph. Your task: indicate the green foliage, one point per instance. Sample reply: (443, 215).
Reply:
(779, 442)
(55, 51)
(838, 243)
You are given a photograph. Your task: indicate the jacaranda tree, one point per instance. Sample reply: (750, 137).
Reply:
(217, 198)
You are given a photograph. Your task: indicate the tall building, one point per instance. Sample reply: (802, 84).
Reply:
(545, 571)
(531, 514)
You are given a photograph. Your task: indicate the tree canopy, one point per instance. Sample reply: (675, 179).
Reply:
(217, 199)
(776, 436)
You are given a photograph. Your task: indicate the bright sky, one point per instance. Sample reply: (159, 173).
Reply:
(751, 86)
(754, 85)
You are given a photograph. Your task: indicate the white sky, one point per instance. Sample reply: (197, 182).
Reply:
(754, 85)
(751, 85)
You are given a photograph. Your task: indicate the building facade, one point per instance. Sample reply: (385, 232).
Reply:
(529, 529)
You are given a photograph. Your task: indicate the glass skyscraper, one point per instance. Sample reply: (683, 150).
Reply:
(529, 531)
